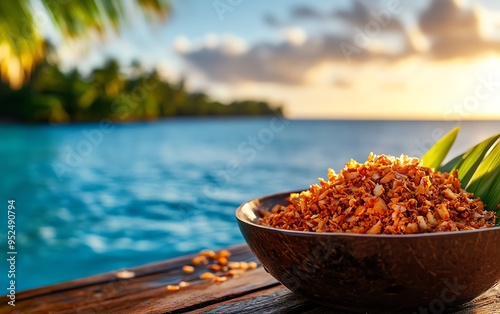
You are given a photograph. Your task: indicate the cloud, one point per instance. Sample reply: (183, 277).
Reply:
(181, 44)
(211, 40)
(294, 35)
(271, 20)
(454, 31)
(445, 30)
(233, 45)
(342, 83)
(305, 12)
(301, 12)
(289, 61)
(285, 62)
(381, 21)
(263, 62)
(359, 15)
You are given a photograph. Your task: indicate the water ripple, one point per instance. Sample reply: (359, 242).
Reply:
(152, 191)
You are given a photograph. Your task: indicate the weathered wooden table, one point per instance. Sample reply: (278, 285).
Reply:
(254, 291)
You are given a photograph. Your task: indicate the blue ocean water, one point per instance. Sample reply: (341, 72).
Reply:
(92, 198)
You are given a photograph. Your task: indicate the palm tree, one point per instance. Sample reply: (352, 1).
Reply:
(22, 44)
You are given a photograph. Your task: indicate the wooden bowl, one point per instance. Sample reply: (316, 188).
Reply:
(375, 273)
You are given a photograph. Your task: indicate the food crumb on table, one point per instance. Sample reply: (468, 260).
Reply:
(220, 267)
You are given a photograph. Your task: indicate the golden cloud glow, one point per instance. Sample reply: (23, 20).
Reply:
(294, 35)
(444, 64)
(415, 89)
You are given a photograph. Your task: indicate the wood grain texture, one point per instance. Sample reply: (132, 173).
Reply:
(273, 300)
(96, 293)
(281, 300)
(252, 292)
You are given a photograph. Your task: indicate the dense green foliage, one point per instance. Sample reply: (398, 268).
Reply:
(54, 96)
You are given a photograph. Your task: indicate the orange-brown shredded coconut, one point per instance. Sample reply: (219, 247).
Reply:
(384, 195)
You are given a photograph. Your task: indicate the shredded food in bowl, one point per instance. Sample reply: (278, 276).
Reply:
(384, 195)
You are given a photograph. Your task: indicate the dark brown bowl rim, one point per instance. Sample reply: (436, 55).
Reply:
(239, 216)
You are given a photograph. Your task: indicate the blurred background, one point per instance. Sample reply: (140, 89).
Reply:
(131, 130)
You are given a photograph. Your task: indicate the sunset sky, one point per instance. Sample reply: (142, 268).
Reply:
(436, 59)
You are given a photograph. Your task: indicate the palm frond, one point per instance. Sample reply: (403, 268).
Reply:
(22, 44)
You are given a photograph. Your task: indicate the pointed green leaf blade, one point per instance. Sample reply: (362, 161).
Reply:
(469, 162)
(492, 196)
(437, 153)
(450, 165)
(485, 182)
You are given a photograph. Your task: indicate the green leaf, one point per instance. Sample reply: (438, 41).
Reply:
(478, 168)
(450, 165)
(485, 182)
(437, 153)
(468, 162)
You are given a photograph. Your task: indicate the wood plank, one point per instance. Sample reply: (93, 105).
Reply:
(281, 300)
(198, 295)
(146, 293)
(277, 299)
(107, 287)
(237, 251)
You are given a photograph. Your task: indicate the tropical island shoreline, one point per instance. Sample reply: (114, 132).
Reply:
(55, 96)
